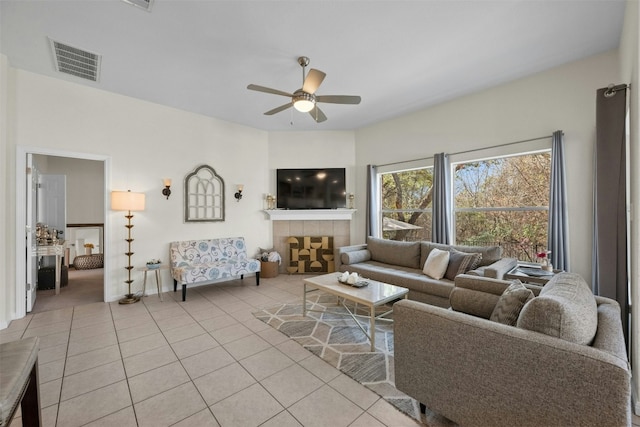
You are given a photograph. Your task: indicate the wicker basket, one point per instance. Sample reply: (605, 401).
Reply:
(268, 269)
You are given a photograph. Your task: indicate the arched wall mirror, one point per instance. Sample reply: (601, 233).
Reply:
(203, 195)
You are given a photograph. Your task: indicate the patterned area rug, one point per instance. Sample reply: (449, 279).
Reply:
(331, 334)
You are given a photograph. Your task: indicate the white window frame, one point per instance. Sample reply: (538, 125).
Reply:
(516, 150)
(395, 168)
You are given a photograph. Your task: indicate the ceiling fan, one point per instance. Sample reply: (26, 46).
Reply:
(305, 99)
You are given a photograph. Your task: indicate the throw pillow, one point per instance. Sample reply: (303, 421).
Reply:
(460, 263)
(436, 264)
(355, 257)
(510, 304)
(565, 308)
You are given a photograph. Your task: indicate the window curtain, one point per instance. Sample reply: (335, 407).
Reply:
(610, 223)
(558, 240)
(441, 201)
(372, 201)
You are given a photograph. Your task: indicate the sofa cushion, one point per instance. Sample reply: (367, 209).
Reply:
(490, 254)
(406, 254)
(460, 263)
(510, 304)
(355, 257)
(436, 264)
(473, 302)
(565, 308)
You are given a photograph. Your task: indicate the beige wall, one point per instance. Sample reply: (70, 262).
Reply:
(144, 143)
(630, 73)
(85, 186)
(561, 98)
(6, 259)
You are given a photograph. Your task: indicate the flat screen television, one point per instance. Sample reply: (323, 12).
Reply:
(311, 188)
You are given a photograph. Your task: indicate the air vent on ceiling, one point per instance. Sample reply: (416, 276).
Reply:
(142, 4)
(74, 61)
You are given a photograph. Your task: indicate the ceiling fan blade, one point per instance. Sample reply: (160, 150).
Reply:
(278, 109)
(317, 115)
(313, 80)
(268, 90)
(338, 99)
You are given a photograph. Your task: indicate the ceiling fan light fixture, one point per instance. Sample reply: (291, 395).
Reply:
(303, 102)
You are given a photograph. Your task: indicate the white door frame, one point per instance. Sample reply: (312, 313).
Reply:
(21, 212)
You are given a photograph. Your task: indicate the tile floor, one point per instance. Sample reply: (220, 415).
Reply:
(203, 362)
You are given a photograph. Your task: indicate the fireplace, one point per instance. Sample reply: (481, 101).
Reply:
(338, 232)
(310, 254)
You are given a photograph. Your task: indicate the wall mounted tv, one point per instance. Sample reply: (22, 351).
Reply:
(311, 188)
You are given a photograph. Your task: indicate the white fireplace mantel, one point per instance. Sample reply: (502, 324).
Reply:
(309, 214)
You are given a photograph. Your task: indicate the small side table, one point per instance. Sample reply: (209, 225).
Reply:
(520, 273)
(158, 281)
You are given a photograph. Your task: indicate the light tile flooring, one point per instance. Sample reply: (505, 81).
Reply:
(203, 362)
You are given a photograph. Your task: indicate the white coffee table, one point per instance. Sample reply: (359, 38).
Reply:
(373, 295)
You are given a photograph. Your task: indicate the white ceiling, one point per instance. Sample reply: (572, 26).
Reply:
(399, 56)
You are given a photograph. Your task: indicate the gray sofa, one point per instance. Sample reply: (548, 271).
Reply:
(401, 263)
(564, 363)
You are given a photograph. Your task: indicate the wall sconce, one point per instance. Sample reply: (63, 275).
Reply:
(238, 194)
(166, 191)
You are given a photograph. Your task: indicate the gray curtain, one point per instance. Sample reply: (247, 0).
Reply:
(610, 221)
(441, 201)
(372, 201)
(558, 240)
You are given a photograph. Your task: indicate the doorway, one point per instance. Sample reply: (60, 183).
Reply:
(76, 166)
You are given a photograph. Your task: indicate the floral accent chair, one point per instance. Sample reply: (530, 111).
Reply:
(200, 261)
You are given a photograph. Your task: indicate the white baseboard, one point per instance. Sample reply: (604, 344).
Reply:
(634, 399)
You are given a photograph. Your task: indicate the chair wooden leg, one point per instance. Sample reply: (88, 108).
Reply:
(423, 408)
(30, 405)
(184, 292)
(257, 278)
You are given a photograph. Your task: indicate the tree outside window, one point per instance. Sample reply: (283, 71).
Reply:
(504, 201)
(406, 204)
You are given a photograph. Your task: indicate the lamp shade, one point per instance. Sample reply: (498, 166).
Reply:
(127, 201)
(304, 105)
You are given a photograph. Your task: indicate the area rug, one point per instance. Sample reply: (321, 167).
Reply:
(331, 334)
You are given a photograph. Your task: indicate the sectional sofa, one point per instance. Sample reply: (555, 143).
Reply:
(401, 263)
(561, 361)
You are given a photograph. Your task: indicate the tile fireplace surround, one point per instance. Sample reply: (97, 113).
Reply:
(340, 230)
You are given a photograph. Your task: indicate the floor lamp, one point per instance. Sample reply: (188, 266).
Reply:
(128, 201)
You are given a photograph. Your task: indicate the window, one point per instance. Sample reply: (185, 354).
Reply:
(405, 198)
(504, 201)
